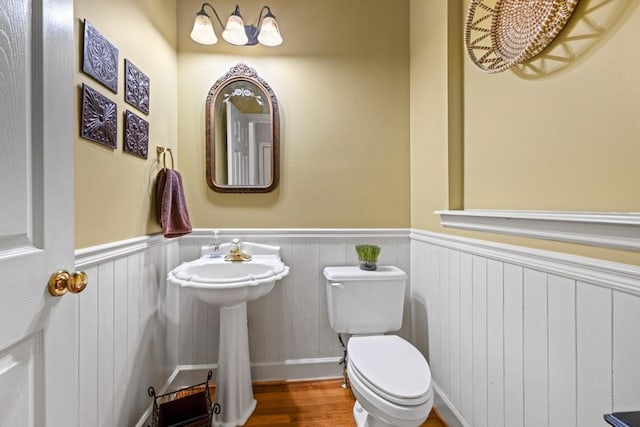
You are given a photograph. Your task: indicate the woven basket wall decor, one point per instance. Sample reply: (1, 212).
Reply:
(502, 33)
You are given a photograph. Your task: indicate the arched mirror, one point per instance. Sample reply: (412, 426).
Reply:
(242, 133)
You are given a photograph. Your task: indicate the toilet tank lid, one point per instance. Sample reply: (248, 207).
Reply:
(354, 273)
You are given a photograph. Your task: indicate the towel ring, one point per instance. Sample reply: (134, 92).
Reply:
(162, 150)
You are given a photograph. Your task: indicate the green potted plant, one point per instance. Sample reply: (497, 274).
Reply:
(368, 256)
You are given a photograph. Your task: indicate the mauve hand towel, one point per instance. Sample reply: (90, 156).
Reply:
(171, 207)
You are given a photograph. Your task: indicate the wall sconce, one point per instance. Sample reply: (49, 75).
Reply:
(265, 32)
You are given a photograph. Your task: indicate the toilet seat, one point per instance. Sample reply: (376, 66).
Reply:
(390, 379)
(391, 367)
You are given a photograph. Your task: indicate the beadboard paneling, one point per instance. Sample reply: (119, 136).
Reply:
(513, 345)
(495, 343)
(466, 332)
(626, 364)
(536, 385)
(514, 337)
(532, 338)
(562, 351)
(594, 351)
(122, 330)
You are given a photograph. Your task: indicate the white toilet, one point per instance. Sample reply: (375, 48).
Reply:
(389, 377)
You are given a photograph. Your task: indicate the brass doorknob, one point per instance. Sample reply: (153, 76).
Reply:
(62, 282)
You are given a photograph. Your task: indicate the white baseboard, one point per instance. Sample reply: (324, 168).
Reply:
(288, 370)
(298, 370)
(449, 406)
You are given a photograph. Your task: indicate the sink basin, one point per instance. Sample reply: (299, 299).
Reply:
(230, 285)
(219, 282)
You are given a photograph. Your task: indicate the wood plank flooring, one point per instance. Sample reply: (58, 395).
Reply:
(309, 404)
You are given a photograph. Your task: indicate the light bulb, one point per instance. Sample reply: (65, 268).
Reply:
(202, 31)
(234, 32)
(269, 32)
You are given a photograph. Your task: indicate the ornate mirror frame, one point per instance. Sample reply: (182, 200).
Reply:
(241, 72)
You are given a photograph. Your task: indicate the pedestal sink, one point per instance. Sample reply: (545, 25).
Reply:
(230, 285)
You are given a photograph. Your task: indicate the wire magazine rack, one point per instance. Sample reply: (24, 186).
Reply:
(186, 407)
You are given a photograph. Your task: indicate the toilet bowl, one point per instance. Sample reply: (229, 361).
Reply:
(391, 381)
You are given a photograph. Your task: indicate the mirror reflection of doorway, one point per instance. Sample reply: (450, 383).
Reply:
(248, 147)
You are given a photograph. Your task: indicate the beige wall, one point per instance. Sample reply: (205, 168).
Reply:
(341, 78)
(429, 118)
(352, 98)
(559, 141)
(113, 189)
(563, 137)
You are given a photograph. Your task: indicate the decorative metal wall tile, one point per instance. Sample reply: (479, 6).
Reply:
(136, 135)
(136, 87)
(100, 57)
(99, 118)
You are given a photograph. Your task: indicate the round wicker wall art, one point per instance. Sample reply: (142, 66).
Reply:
(502, 33)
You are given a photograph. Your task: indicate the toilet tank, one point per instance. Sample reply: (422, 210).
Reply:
(365, 302)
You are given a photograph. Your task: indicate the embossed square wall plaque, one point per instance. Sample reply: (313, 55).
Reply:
(99, 120)
(136, 135)
(100, 57)
(136, 87)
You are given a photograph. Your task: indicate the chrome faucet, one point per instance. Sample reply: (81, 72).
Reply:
(236, 254)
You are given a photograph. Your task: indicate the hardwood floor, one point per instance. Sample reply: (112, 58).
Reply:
(309, 404)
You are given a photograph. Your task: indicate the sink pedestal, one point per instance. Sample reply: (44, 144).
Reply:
(234, 391)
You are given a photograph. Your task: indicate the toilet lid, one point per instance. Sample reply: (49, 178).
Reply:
(392, 367)
(354, 273)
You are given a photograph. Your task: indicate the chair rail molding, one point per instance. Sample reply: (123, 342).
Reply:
(331, 233)
(607, 229)
(94, 255)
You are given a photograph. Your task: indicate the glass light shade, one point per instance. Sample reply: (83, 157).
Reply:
(234, 32)
(202, 31)
(269, 32)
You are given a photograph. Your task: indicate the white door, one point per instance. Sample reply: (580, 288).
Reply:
(260, 150)
(38, 344)
(237, 146)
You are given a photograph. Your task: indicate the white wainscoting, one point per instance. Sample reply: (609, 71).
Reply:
(135, 331)
(519, 337)
(514, 336)
(289, 332)
(124, 333)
